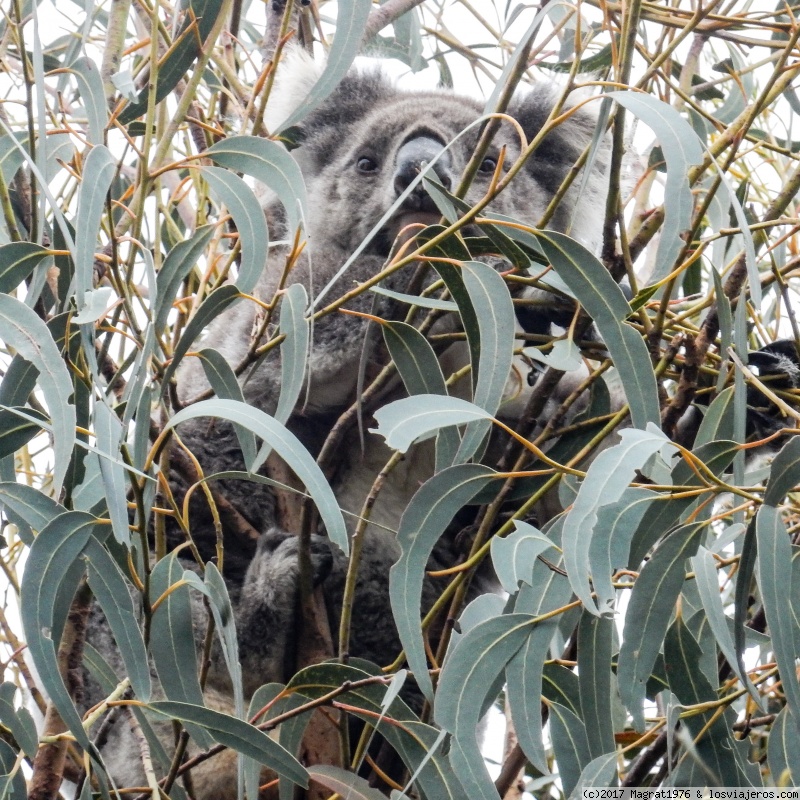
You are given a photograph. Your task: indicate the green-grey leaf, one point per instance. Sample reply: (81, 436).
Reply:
(594, 678)
(681, 149)
(18, 720)
(98, 172)
(47, 585)
(514, 556)
(209, 309)
(222, 611)
(351, 19)
(294, 348)
(112, 592)
(491, 300)
(172, 638)
(524, 687)
(288, 448)
(17, 261)
(785, 472)
(344, 783)
(783, 755)
(607, 478)
(177, 265)
(409, 419)
(610, 545)
(223, 381)
(602, 298)
(431, 509)
(241, 736)
(268, 162)
(250, 221)
(707, 581)
(421, 372)
(775, 582)
(90, 86)
(36, 508)
(649, 610)
(24, 330)
(570, 746)
(108, 430)
(467, 676)
(600, 771)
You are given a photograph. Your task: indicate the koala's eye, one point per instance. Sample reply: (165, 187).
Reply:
(366, 164)
(488, 165)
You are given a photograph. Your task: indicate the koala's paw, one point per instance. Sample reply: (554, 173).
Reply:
(278, 552)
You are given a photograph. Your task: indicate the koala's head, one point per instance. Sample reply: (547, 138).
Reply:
(365, 144)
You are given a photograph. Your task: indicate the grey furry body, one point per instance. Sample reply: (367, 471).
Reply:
(365, 118)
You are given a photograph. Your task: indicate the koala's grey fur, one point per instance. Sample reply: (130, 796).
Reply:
(365, 118)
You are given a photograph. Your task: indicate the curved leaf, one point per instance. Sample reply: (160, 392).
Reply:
(351, 19)
(250, 221)
(681, 149)
(99, 168)
(109, 587)
(775, 582)
(430, 511)
(515, 556)
(17, 261)
(269, 163)
(412, 419)
(48, 585)
(177, 265)
(467, 676)
(649, 610)
(606, 480)
(570, 746)
(288, 448)
(90, 86)
(241, 736)
(22, 328)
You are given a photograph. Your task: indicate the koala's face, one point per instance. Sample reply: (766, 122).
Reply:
(362, 148)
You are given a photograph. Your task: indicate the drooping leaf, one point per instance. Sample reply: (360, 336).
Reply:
(90, 86)
(708, 586)
(467, 676)
(22, 328)
(241, 736)
(268, 162)
(649, 610)
(250, 222)
(17, 261)
(431, 509)
(109, 587)
(607, 478)
(287, 446)
(775, 582)
(177, 265)
(98, 171)
(48, 585)
(594, 678)
(570, 745)
(351, 19)
(681, 149)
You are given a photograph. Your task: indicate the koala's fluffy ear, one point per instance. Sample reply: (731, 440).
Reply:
(580, 213)
(357, 93)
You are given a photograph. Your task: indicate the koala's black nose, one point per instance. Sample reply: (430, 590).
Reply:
(408, 164)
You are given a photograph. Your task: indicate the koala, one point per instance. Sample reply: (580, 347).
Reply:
(358, 152)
